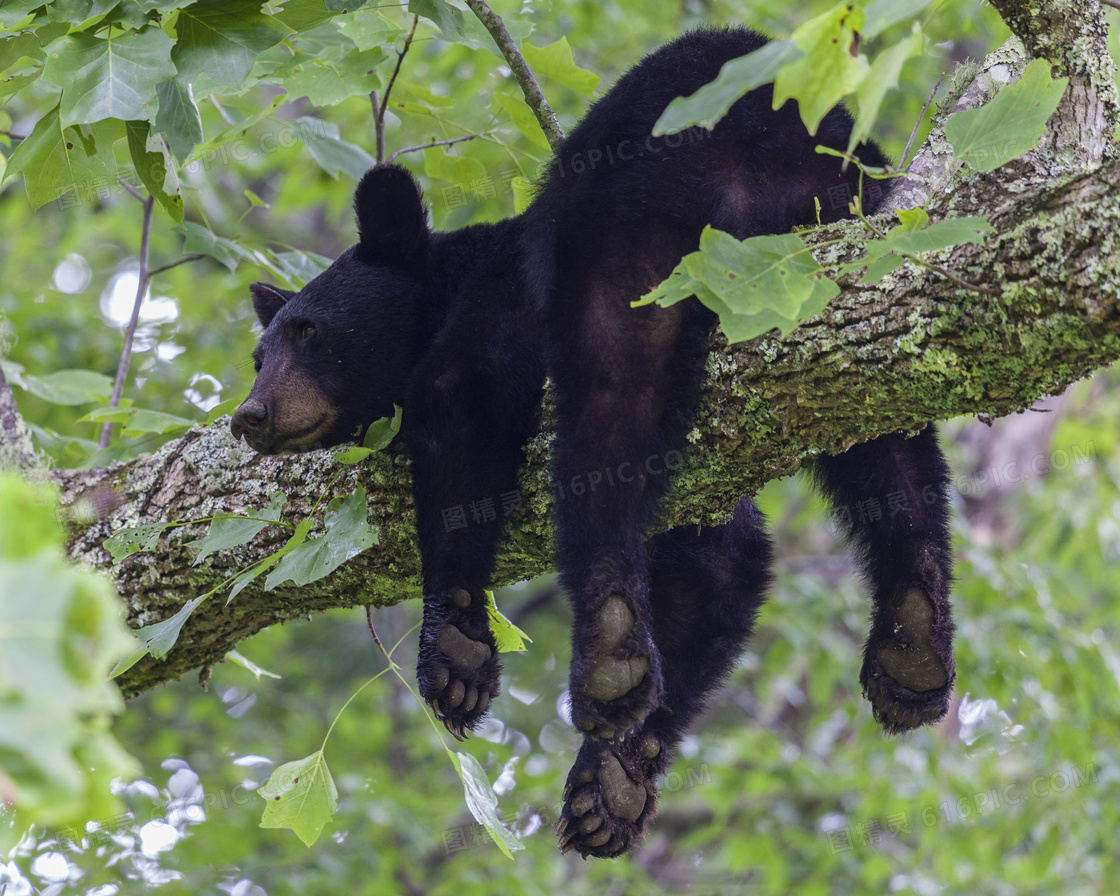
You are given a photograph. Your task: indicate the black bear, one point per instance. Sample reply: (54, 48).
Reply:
(461, 330)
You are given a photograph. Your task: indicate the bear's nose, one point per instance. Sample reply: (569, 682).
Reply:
(253, 418)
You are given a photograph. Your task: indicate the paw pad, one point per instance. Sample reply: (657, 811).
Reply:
(905, 675)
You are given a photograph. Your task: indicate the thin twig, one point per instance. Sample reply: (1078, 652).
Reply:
(918, 123)
(462, 139)
(175, 264)
(130, 331)
(378, 126)
(520, 68)
(372, 631)
(131, 189)
(13, 136)
(936, 268)
(1115, 4)
(397, 69)
(381, 105)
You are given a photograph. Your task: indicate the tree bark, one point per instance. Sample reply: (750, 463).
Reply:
(913, 349)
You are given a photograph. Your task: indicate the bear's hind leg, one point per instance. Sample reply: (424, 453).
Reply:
(626, 381)
(706, 588)
(891, 497)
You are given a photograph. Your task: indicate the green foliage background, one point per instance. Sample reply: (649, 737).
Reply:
(788, 785)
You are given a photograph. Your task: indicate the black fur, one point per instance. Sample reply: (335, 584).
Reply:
(461, 328)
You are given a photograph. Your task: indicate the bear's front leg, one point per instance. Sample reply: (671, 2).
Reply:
(458, 669)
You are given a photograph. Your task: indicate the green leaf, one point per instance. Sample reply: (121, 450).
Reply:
(354, 455)
(879, 15)
(879, 268)
(60, 632)
(483, 803)
(12, 12)
(300, 796)
(77, 12)
(448, 19)
(126, 542)
(327, 81)
(221, 39)
(942, 235)
(913, 219)
(754, 285)
(297, 267)
(369, 30)
(737, 77)
(334, 155)
(381, 432)
(508, 637)
(178, 118)
(348, 533)
(128, 662)
(12, 49)
(555, 61)
(69, 387)
(303, 15)
(202, 240)
(523, 119)
(228, 530)
(828, 71)
(208, 151)
(55, 160)
(114, 77)
(160, 637)
(138, 421)
(477, 37)
(1011, 124)
(155, 169)
(462, 171)
(885, 71)
(243, 578)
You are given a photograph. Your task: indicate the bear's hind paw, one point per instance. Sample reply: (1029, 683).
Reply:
(610, 797)
(619, 683)
(908, 674)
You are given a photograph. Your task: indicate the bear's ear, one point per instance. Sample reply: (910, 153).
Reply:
(392, 221)
(267, 300)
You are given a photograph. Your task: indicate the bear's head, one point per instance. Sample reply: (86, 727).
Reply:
(338, 354)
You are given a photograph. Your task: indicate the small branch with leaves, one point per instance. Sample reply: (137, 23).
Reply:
(381, 104)
(521, 71)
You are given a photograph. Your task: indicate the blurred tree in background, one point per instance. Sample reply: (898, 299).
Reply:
(788, 785)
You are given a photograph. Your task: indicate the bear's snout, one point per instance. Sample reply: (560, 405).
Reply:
(253, 420)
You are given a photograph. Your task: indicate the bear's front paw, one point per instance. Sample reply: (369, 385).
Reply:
(458, 669)
(616, 681)
(610, 797)
(908, 671)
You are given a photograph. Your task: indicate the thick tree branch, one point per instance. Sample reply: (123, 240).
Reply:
(1073, 36)
(16, 449)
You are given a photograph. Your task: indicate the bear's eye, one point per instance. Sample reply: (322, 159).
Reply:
(308, 333)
